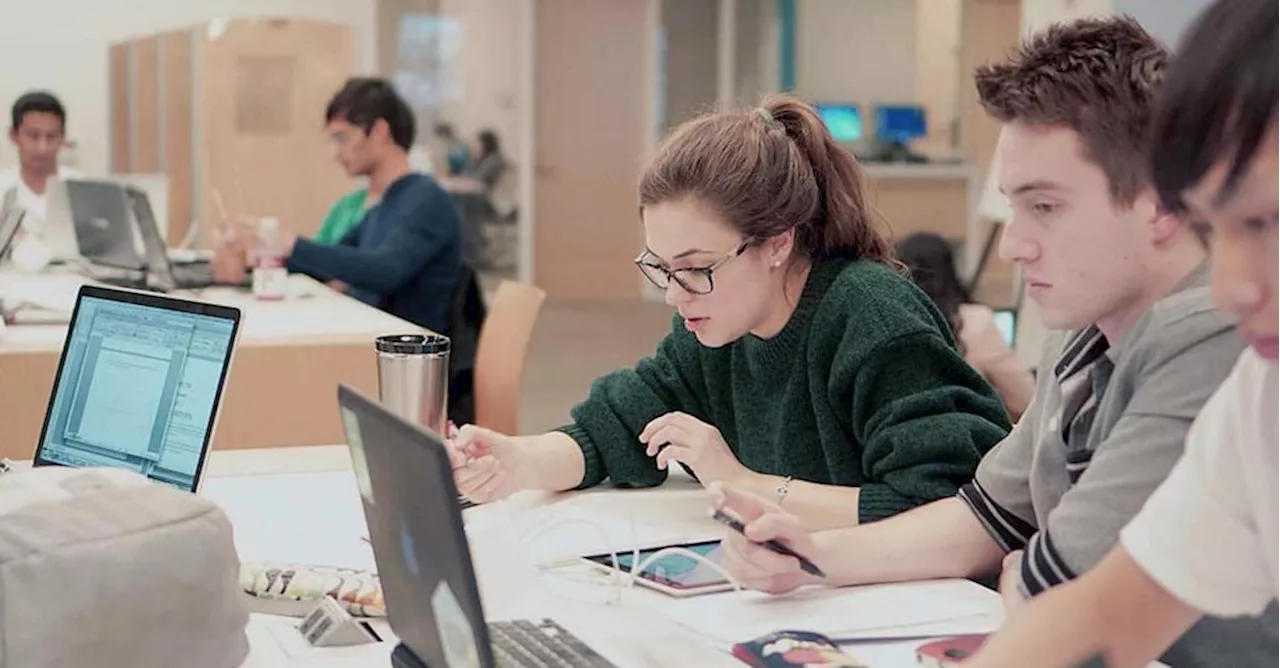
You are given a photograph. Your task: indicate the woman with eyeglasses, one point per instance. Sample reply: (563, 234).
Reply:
(802, 363)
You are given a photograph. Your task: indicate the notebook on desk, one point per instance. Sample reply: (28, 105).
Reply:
(139, 385)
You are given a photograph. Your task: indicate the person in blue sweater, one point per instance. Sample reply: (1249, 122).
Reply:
(405, 255)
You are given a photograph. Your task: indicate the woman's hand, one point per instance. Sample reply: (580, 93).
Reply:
(694, 443)
(487, 466)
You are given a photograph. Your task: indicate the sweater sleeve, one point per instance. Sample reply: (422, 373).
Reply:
(608, 423)
(422, 221)
(924, 418)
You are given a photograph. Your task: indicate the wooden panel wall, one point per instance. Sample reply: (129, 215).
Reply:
(240, 110)
(119, 90)
(989, 32)
(590, 116)
(145, 96)
(175, 105)
(263, 90)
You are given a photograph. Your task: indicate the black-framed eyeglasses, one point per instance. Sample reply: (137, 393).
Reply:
(694, 280)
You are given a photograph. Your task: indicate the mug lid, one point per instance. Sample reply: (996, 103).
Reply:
(412, 344)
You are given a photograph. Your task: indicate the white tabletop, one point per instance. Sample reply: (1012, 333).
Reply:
(300, 505)
(310, 313)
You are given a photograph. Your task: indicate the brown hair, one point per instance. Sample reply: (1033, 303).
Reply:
(1096, 76)
(767, 170)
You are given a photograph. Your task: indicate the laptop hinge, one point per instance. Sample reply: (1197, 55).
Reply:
(403, 657)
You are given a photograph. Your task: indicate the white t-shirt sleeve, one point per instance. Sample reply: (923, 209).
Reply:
(1198, 534)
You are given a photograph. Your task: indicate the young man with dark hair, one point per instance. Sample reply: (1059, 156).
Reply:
(404, 256)
(1206, 541)
(1115, 396)
(38, 131)
(457, 153)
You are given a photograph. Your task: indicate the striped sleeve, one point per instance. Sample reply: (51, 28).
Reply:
(1042, 566)
(1009, 531)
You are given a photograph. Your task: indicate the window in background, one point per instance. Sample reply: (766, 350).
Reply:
(427, 71)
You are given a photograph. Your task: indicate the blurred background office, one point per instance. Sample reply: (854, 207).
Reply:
(538, 116)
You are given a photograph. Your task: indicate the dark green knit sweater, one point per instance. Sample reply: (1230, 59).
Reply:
(863, 387)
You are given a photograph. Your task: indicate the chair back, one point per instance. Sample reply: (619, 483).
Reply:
(501, 355)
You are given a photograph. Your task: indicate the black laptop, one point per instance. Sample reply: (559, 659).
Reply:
(420, 546)
(166, 274)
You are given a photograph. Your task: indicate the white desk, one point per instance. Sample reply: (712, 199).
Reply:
(301, 505)
(291, 356)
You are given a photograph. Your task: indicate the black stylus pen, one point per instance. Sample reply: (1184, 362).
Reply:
(770, 545)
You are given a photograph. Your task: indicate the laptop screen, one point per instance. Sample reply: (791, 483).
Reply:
(1007, 323)
(156, 250)
(138, 386)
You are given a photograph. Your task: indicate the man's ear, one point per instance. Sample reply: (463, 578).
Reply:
(380, 128)
(1164, 223)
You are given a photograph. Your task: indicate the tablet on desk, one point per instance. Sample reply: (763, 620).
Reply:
(673, 574)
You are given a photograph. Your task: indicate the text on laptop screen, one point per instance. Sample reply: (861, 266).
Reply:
(138, 389)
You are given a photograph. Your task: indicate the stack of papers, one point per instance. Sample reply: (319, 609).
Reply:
(906, 610)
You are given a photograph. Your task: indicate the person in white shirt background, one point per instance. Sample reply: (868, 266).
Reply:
(38, 132)
(1206, 541)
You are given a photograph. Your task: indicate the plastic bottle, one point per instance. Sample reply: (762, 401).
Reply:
(270, 277)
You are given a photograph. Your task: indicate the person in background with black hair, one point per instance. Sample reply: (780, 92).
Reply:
(1205, 544)
(933, 267)
(38, 132)
(802, 364)
(404, 257)
(489, 163)
(457, 153)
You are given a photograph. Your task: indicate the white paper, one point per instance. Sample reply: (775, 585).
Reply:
(836, 613)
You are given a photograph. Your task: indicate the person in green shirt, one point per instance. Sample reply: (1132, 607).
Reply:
(343, 217)
(802, 363)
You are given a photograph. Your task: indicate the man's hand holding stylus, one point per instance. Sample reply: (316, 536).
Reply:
(751, 564)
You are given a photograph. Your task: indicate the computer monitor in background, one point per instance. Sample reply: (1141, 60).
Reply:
(896, 126)
(843, 121)
(899, 124)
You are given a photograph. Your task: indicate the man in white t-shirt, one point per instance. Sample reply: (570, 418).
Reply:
(1206, 541)
(38, 133)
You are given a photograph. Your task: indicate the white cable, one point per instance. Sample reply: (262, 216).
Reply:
(688, 554)
(535, 531)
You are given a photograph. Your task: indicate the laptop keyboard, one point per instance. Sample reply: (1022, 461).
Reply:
(541, 644)
(199, 274)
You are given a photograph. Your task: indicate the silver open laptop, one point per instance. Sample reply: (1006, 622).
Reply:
(139, 385)
(91, 220)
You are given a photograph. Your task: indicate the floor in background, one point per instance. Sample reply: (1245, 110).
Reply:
(574, 343)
